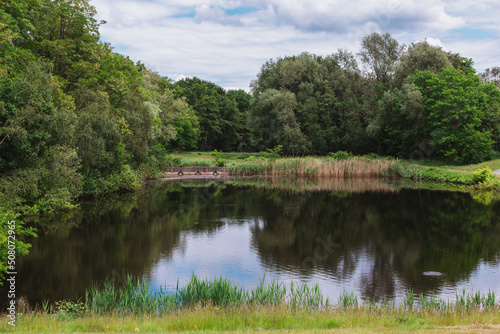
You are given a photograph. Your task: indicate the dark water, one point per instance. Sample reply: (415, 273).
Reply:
(373, 238)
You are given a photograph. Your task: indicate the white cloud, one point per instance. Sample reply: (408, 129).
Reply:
(435, 42)
(227, 41)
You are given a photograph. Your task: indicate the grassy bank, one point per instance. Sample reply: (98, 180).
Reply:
(219, 305)
(265, 319)
(478, 175)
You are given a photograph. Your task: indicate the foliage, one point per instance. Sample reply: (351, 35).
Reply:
(218, 158)
(12, 232)
(221, 114)
(68, 309)
(275, 152)
(454, 103)
(380, 53)
(482, 175)
(491, 75)
(76, 117)
(339, 155)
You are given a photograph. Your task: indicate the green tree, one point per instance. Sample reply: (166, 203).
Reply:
(65, 33)
(222, 124)
(491, 75)
(175, 123)
(25, 107)
(96, 134)
(329, 110)
(380, 53)
(456, 102)
(273, 117)
(420, 56)
(11, 226)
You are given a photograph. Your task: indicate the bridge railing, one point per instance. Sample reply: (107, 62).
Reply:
(199, 169)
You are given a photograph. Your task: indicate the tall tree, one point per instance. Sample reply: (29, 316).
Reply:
(455, 103)
(380, 54)
(222, 124)
(491, 75)
(420, 56)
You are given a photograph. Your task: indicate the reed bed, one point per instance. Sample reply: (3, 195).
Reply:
(136, 297)
(316, 167)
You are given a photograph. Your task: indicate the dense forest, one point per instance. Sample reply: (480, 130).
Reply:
(78, 118)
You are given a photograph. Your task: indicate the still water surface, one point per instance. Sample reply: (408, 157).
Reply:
(373, 238)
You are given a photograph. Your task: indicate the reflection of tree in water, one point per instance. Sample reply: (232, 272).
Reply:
(402, 235)
(107, 238)
(395, 235)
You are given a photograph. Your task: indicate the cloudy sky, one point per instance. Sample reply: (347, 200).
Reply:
(227, 41)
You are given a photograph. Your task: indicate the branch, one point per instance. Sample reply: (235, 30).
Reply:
(3, 139)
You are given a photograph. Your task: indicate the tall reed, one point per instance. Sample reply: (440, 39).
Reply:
(316, 167)
(136, 296)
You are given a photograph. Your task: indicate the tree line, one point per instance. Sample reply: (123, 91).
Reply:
(78, 118)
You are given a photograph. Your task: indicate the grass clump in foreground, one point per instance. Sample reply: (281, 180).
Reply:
(137, 297)
(219, 305)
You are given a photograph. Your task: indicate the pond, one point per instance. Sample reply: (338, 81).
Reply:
(374, 238)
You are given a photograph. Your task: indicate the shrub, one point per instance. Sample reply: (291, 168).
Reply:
(481, 175)
(9, 223)
(274, 153)
(171, 160)
(242, 156)
(219, 161)
(126, 179)
(371, 156)
(340, 155)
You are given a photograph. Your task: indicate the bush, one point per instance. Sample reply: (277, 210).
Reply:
(219, 161)
(371, 156)
(9, 222)
(274, 153)
(243, 156)
(126, 179)
(340, 155)
(171, 160)
(481, 175)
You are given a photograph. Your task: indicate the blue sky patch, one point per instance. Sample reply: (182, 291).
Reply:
(120, 47)
(184, 15)
(474, 33)
(240, 10)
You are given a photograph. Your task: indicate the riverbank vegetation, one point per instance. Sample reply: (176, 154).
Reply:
(343, 164)
(219, 304)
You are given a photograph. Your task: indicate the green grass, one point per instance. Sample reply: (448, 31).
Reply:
(446, 172)
(265, 319)
(219, 305)
(135, 296)
(492, 164)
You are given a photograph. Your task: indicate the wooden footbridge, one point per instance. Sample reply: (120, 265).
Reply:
(198, 171)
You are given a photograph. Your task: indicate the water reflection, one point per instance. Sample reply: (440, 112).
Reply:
(376, 241)
(403, 234)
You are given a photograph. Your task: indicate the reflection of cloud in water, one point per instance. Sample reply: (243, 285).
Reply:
(378, 242)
